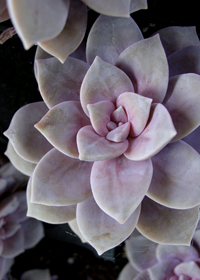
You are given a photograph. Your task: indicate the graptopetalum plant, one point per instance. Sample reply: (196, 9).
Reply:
(149, 261)
(104, 149)
(17, 231)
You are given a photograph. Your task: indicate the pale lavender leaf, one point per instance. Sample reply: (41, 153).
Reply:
(110, 36)
(93, 147)
(19, 214)
(8, 205)
(177, 60)
(39, 274)
(29, 143)
(163, 270)
(68, 115)
(167, 226)
(7, 34)
(193, 139)
(13, 245)
(176, 176)
(71, 35)
(5, 265)
(146, 65)
(19, 163)
(140, 252)
(33, 232)
(60, 82)
(119, 185)
(36, 20)
(9, 229)
(55, 181)
(175, 38)
(183, 103)
(190, 269)
(106, 81)
(99, 229)
(49, 214)
(127, 273)
(157, 134)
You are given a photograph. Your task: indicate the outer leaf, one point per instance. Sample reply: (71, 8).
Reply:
(167, 226)
(93, 147)
(100, 230)
(137, 5)
(109, 36)
(190, 269)
(119, 185)
(146, 65)
(26, 140)
(61, 125)
(39, 274)
(13, 245)
(49, 214)
(193, 139)
(163, 270)
(127, 273)
(37, 20)
(33, 232)
(175, 38)
(55, 181)
(5, 265)
(157, 134)
(72, 34)
(106, 81)
(3, 12)
(183, 103)
(176, 176)
(60, 82)
(19, 163)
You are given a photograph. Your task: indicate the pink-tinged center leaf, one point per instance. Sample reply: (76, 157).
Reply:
(119, 185)
(120, 133)
(183, 103)
(146, 65)
(137, 109)
(71, 35)
(99, 229)
(61, 125)
(157, 134)
(60, 82)
(119, 115)
(176, 176)
(183, 253)
(38, 20)
(55, 181)
(100, 115)
(103, 81)
(29, 143)
(167, 226)
(190, 269)
(93, 147)
(110, 36)
(49, 214)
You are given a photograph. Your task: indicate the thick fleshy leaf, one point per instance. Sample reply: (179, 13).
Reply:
(38, 20)
(138, 5)
(120, 133)
(146, 65)
(119, 185)
(72, 34)
(19, 163)
(190, 269)
(39, 54)
(177, 60)
(143, 276)
(39, 274)
(167, 226)
(163, 270)
(127, 273)
(141, 252)
(29, 143)
(33, 232)
(176, 176)
(106, 81)
(55, 181)
(9, 229)
(99, 229)
(74, 226)
(193, 139)
(60, 82)
(61, 125)
(183, 253)
(100, 114)
(3, 11)
(110, 36)
(49, 214)
(157, 134)
(175, 38)
(93, 147)
(137, 109)
(5, 265)
(13, 245)
(19, 214)
(8, 205)
(183, 103)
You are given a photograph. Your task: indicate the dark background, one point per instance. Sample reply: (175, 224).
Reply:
(61, 250)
